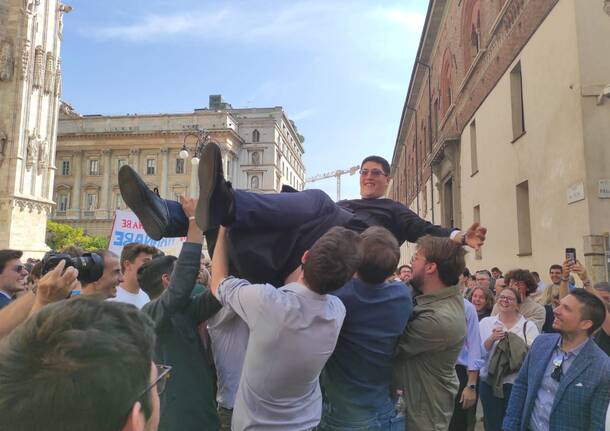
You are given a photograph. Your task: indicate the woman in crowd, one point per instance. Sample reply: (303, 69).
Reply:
(507, 327)
(483, 301)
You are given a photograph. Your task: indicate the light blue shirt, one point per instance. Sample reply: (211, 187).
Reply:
(471, 355)
(545, 398)
(293, 332)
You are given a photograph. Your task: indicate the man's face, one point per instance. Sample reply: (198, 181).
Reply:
(111, 278)
(131, 268)
(12, 278)
(605, 296)
(568, 317)
(420, 267)
(555, 275)
(483, 280)
(500, 284)
(496, 274)
(373, 182)
(520, 286)
(405, 273)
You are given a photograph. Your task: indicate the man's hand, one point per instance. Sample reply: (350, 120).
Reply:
(188, 206)
(468, 398)
(580, 269)
(567, 268)
(56, 284)
(474, 236)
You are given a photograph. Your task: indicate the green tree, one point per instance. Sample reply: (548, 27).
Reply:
(61, 235)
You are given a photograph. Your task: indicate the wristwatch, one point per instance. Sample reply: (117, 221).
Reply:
(564, 278)
(473, 387)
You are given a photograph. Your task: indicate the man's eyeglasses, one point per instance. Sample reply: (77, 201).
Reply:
(18, 268)
(373, 172)
(558, 370)
(160, 382)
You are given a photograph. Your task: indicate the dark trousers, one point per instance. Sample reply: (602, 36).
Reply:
(463, 420)
(494, 408)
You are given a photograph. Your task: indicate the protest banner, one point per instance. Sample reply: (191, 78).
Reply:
(126, 228)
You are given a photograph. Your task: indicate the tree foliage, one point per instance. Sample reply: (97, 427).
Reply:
(61, 235)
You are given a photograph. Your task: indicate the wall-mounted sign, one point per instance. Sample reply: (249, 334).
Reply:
(603, 190)
(576, 192)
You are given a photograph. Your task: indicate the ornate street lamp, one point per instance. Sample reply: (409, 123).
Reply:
(201, 138)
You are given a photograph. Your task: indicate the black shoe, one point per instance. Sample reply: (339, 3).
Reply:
(215, 203)
(159, 217)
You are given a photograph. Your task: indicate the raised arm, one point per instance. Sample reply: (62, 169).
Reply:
(220, 261)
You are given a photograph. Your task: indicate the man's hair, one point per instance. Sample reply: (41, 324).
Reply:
(380, 255)
(447, 254)
(8, 255)
(593, 308)
(103, 254)
(486, 272)
(72, 250)
(132, 250)
(522, 275)
(603, 286)
(78, 364)
(333, 260)
(406, 265)
(149, 274)
(496, 269)
(555, 266)
(385, 166)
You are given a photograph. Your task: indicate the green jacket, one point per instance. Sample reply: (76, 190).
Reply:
(425, 359)
(188, 403)
(507, 359)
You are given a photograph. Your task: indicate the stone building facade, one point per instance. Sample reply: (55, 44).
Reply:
(30, 86)
(506, 121)
(261, 151)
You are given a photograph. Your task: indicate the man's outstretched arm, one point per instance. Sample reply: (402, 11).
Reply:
(220, 261)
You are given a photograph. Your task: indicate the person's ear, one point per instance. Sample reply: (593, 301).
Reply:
(165, 279)
(135, 420)
(585, 325)
(305, 257)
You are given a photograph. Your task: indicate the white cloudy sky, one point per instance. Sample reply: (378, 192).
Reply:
(339, 68)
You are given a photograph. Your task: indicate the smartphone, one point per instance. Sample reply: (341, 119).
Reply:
(571, 254)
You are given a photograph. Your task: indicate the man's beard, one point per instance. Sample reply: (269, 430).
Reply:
(417, 282)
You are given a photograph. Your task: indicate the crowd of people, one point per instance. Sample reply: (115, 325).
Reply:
(346, 340)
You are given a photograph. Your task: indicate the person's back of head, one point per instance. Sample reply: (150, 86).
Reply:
(332, 260)
(79, 364)
(380, 255)
(153, 276)
(448, 256)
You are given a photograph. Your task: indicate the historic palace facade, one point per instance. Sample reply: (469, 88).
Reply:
(261, 152)
(506, 121)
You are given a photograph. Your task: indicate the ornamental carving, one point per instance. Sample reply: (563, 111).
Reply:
(39, 67)
(63, 8)
(32, 150)
(49, 73)
(25, 60)
(7, 61)
(57, 89)
(43, 153)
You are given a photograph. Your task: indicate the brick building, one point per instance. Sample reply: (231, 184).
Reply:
(506, 121)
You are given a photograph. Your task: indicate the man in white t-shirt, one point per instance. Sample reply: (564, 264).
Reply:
(133, 256)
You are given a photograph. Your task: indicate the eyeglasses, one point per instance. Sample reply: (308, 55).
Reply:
(18, 268)
(374, 172)
(160, 382)
(558, 370)
(506, 298)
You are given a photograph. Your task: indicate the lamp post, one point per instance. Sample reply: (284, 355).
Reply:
(202, 138)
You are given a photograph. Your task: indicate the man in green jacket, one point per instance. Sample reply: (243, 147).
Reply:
(428, 349)
(188, 403)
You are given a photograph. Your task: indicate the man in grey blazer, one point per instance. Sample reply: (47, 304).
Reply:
(564, 383)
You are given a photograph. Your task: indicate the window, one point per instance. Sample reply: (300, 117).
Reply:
(256, 136)
(151, 164)
(65, 167)
(91, 203)
(63, 202)
(94, 167)
(254, 183)
(516, 100)
(179, 166)
(121, 162)
(524, 229)
(476, 216)
(474, 165)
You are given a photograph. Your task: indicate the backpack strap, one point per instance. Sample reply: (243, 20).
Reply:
(524, 333)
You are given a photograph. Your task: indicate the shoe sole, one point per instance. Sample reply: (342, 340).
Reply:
(210, 165)
(138, 202)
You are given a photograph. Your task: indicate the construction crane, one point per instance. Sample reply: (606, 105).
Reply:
(337, 174)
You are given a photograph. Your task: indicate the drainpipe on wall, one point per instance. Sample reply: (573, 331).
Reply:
(427, 66)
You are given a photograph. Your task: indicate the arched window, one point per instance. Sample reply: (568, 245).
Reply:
(446, 96)
(471, 30)
(254, 183)
(256, 136)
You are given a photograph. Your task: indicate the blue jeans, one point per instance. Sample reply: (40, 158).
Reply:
(494, 408)
(386, 421)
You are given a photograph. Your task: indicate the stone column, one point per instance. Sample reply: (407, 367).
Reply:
(194, 187)
(595, 260)
(77, 174)
(164, 172)
(134, 159)
(103, 210)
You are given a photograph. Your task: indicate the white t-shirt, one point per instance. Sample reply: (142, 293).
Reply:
(486, 326)
(138, 299)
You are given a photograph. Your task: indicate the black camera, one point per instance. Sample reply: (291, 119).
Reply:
(90, 265)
